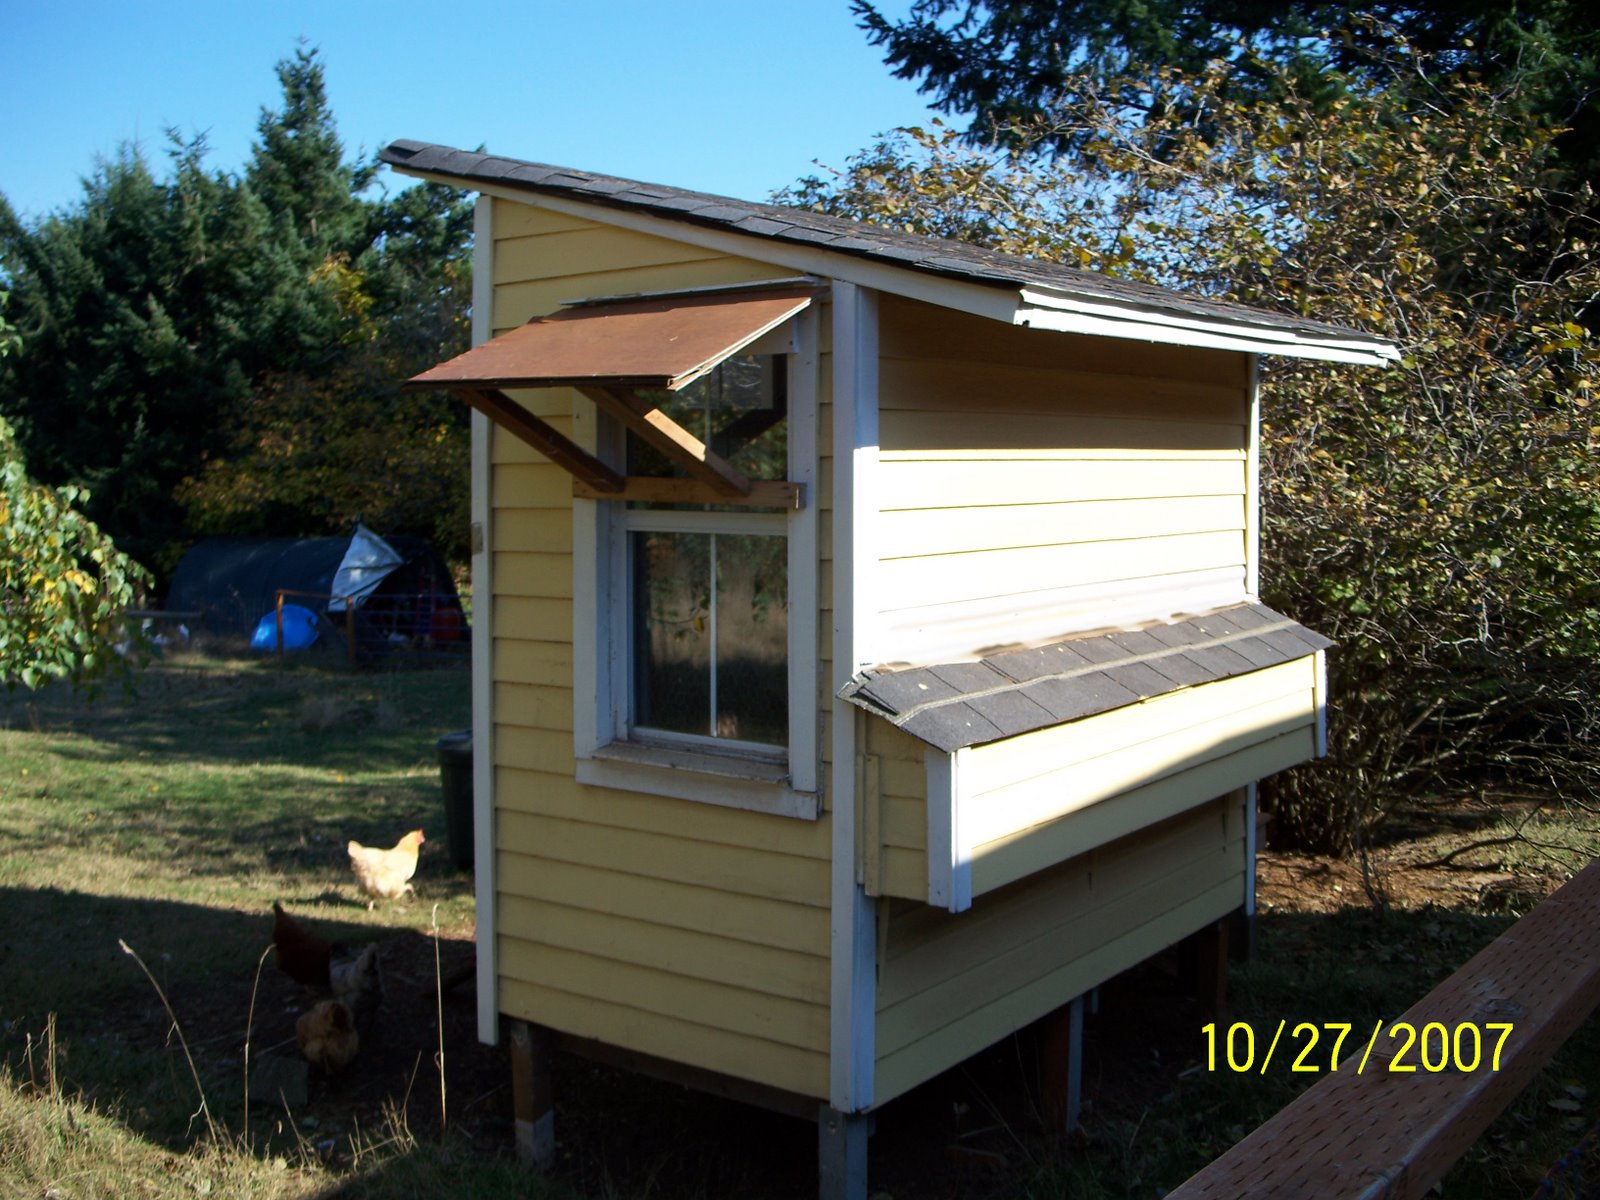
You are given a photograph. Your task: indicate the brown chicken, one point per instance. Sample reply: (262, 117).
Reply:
(358, 981)
(327, 1035)
(386, 874)
(299, 953)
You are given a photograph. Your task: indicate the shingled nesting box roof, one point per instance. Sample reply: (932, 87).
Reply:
(1013, 691)
(1048, 295)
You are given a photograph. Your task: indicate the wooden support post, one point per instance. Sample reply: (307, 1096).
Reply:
(842, 1154)
(1204, 955)
(532, 1106)
(1061, 1068)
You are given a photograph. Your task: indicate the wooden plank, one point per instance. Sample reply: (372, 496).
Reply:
(788, 1067)
(975, 435)
(944, 577)
(663, 947)
(535, 618)
(658, 856)
(542, 436)
(925, 483)
(921, 1060)
(764, 493)
(1016, 760)
(531, 485)
(756, 920)
(927, 949)
(913, 533)
(532, 1093)
(945, 385)
(1076, 786)
(560, 796)
(512, 220)
(532, 574)
(1374, 1131)
(533, 530)
(584, 251)
(1010, 859)
(740, 1010)
(1166, 845)
(518, 660)
(533, 706)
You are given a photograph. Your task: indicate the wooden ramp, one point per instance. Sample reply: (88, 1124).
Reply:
(1371, 1132)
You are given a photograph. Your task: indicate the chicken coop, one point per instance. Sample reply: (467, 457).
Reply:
(877, 664)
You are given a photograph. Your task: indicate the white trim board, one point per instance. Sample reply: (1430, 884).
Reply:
(1037, 306)
(483, 826)
(854, 946)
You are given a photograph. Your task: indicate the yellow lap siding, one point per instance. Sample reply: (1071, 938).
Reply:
(1026, 852)
(951, 984)
(554, 795)
(912, 534)
(636, 852)
(780, 973)
(705, 1045)
(758, 920)
(520, 660)
(946, 578)
(911, 483)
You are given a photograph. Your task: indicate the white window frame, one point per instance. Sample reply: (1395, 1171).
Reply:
(734, 775)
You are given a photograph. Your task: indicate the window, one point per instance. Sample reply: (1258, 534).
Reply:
(699, 676)
(707, 585)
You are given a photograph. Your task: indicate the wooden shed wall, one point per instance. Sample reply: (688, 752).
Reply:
(683, 930)
(1037, 483)
(952, 983)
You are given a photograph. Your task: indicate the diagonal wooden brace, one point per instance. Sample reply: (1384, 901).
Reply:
(559, 449)
(666, 435)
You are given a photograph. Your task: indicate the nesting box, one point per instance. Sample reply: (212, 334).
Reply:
(869, 658)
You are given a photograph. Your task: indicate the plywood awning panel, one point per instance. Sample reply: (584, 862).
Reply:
(661, 342)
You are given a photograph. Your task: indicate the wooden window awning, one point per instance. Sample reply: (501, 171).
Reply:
(610, 351)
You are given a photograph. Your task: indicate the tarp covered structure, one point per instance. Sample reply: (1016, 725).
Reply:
(400, 585)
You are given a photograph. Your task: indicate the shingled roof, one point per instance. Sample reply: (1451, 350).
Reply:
(955, 705)
(1042, 283)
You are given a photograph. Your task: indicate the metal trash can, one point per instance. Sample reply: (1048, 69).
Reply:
(455, 777)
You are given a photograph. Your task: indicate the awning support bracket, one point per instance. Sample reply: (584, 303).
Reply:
(558, 448)
(680, 446)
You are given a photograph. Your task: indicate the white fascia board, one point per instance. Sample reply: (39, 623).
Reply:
(994, 302)
(1041, 308)
(483, 826)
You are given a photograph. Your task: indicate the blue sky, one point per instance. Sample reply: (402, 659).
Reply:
(730, 96)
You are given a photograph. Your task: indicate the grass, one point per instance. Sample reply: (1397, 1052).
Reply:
(172, 819)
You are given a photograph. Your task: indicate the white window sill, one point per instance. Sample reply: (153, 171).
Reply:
(721, 779)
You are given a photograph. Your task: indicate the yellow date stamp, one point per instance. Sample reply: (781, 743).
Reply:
(1312, 1048)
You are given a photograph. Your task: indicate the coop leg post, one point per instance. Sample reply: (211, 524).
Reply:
(842, 1154)
(531, 1052)
(1208, 950)
(1062, 1076)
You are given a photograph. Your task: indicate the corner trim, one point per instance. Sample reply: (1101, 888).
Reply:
(483, 825)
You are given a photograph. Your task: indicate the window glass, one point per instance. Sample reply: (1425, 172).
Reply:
(739, 410)
(710, 635)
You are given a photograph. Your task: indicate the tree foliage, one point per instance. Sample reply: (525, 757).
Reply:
(1440, 519)
(63, 585)
(1004, 61)
(177, 328)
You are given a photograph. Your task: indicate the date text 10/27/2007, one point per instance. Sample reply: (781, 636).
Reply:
(1435, 1047)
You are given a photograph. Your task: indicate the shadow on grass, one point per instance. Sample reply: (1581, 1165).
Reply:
(61, 958)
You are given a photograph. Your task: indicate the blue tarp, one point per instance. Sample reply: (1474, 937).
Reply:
(300, 629)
